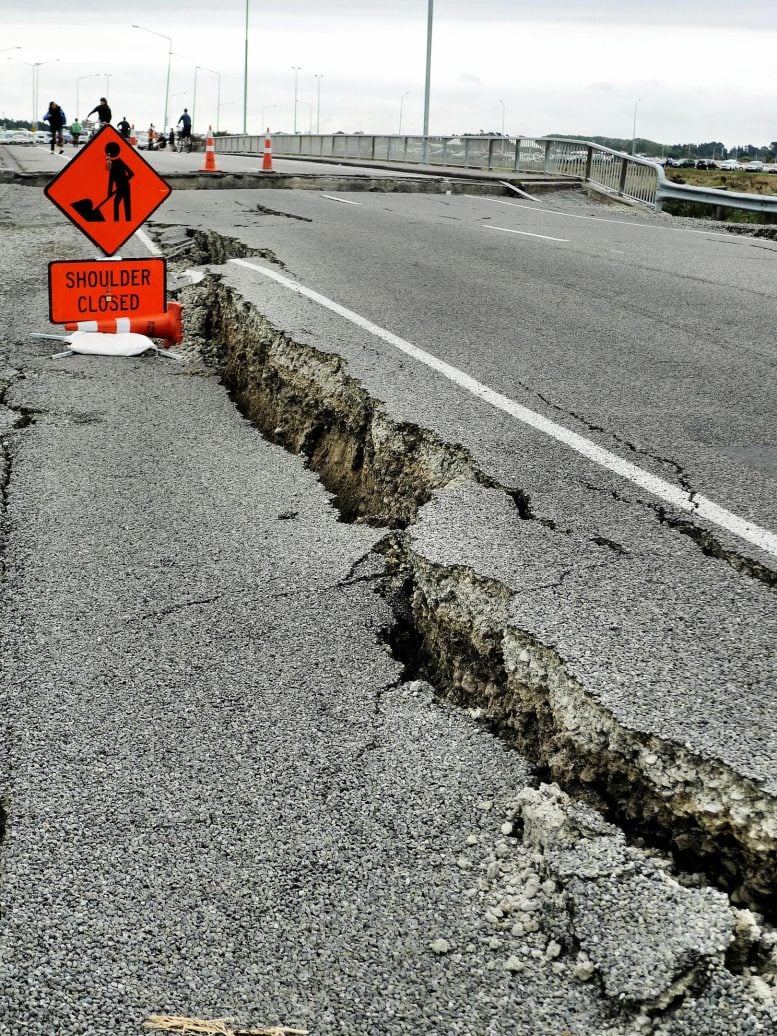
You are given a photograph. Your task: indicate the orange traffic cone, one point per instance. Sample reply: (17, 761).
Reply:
(210, 154)
(133, 138)
(160, 325)
(267, 160)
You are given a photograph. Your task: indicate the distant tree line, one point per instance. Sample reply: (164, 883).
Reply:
(653, 149)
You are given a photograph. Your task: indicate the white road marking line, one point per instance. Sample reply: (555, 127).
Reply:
(672, 494)
(525, 233)
(143, 236)
(343, 201)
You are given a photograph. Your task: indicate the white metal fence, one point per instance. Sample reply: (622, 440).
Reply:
(614, 172)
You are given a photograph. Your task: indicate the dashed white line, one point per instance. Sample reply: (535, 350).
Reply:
(658, 487)
(525, 233)
(343, 201)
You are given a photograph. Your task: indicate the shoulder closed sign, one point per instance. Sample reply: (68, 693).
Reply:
(93, 289)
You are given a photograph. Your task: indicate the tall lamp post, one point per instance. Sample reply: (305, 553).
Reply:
(503, 115)
(169, 60)
(35, 65)
(89, 75)
(634, 127)
(245, 77)
(401, 106)
(296, 69)
(428, 82)
(427, 86)
(319, 77)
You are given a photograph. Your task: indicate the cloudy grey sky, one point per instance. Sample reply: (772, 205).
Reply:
(693, 69)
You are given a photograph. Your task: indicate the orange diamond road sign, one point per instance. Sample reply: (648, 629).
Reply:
(97, 289)
(107, 190)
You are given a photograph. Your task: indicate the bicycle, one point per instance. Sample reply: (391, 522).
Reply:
(184, 143)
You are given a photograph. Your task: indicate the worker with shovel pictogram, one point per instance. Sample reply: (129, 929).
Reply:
(119, 176)
(82, 190)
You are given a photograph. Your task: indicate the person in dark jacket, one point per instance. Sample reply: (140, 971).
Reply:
(185, 122)
(57, 121)
(124, 127)
(103, 112)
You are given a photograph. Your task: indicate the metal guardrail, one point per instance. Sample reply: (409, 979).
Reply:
(669, 191)
(612, 172)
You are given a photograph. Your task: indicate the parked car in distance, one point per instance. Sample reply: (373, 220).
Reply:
(729, 164)
(706, 163)
(21, 137)
(754, 167)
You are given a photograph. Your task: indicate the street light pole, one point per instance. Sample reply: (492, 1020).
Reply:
(634, 127)
(296, 69)
(245, 77)
(319, 77)
(169, 61)
(401, 106)
(35, 65)
(427, 86)
(503, 115)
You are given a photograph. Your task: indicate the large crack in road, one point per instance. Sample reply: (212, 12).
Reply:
(382, 472)
(576, 888)
(452, 628)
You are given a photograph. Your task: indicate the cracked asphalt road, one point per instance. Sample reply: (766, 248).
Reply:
(677, 643)
(222, 799)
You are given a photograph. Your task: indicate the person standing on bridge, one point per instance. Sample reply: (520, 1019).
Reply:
(185, 122)
(124, 127)
(56, 119)
(104, 114)
(75, 131)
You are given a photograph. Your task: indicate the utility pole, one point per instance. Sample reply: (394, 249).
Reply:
(427, 86)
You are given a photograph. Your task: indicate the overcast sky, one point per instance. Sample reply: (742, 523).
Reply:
(695, 70)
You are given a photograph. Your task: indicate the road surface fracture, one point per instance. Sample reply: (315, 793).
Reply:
(225, 795)
(383, 472)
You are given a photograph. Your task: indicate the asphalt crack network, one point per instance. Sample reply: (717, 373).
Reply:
(453, 626)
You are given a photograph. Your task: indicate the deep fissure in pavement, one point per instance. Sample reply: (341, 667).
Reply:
(453, 625)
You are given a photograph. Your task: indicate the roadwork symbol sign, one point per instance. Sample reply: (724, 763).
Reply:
(107, 190)
(99, 290)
